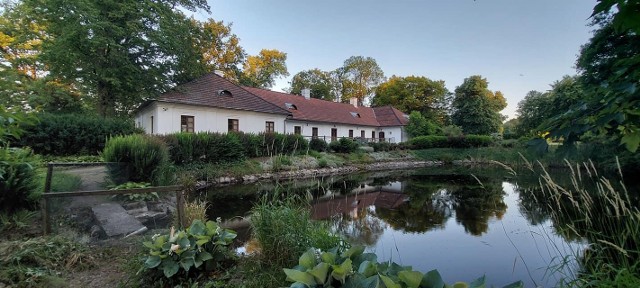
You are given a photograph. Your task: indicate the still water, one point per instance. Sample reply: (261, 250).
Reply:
(464, 222)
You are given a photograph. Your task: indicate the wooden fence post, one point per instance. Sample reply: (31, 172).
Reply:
(180, 208)
(44, 205)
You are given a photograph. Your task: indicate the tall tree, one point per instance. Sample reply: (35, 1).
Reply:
(359, 76)
(118, 52)
(414, 93)
(321, 84)
(220, 49)
(262, 70)
(532, 111)
(476, 108)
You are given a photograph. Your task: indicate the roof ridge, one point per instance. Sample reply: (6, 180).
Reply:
(311, 98)
(243, 88)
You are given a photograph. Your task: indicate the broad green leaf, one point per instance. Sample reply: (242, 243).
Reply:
(169, 267)
(308, 259)
(299, 276)
(152, 262)
(389, 282)
(370, 282)
(149, 245)
(328, 257)
(411, 278)
(353, 251)
(432, 280)
(478, 283)
(517, 284)
(320, 272)
(460, 285)
(368, 268)
(197, 228)
(212, 227)
(341, 271)
(187, 262)
(631, 141)
(298, 285)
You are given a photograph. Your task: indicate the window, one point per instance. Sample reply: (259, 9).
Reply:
(362, 134)
(291, 106)
(224, 93)
(270, 127)
(334, 134)
(350, 133)
(297, 130)
(151, 124)
(314, 132)
(355, 114)
(186, 123)
(233, 125)
(373, 134)
(381, 136)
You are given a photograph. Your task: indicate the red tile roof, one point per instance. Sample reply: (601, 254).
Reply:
(205, 91)
(332, 112)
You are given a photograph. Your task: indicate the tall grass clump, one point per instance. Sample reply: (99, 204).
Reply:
(284, 229)
(605, 216)
(140, 158)
(18, 180)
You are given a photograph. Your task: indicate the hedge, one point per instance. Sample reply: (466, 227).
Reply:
(468, 141)
(73, 134)
(143, 158)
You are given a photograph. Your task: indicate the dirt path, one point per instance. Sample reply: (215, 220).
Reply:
(93, 178)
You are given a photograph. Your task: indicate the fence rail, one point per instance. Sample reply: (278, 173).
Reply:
(44, 205)
(357, 139)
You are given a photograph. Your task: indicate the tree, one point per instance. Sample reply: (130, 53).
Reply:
(419, 125)
(262, 70)
(414, 93)
(118, 52)
(532, 111)
(220, 49)
(359, 76)
(476, 108)
(321, 83)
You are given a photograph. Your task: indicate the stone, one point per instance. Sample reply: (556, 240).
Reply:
(114, 220)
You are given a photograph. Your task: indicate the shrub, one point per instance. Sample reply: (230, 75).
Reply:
(284, 230)
(353, 268)
(317, 144)
(323, 163)
(468, 141)
(18, 180)
(201, 246)
(344, 145)
(153, 196)
(141, 158)
(452, 131)
(384, 146)
(73, 134)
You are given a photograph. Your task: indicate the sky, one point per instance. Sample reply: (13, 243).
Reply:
(517, 45)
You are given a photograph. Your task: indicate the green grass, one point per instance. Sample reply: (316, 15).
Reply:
(208, 171)
(504, 155)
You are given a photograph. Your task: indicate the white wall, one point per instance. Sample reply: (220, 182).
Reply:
(167, 118)
(324, 129)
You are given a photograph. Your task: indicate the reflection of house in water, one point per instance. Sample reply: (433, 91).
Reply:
(383, 196)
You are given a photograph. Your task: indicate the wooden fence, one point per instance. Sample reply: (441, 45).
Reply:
(44, 205)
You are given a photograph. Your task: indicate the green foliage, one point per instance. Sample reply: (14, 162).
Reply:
(344, 145)
(64, 182)
(153, 196)
(18, 220)
(468, 141)
(353, 268)
(140, 158)
(284, 229)
(12, 125)
(118, 51)
(323, 163)
(358, 78)
(420, 126)
(261, 71)
(18, 180)
(185, 254)
(476, 108)
(73, 134)
(385, 146)
(38, 262)
(452, 131)
(320, 83)
(317, 144)
(428, 97)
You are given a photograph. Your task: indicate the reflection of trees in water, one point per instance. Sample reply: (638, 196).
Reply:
(359, 227)
(432, 199)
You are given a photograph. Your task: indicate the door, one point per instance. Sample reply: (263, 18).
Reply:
(381, 136)
(334, 134)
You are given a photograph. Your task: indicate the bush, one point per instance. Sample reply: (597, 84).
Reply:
(284, 230)
(385, 146)
(141, 158)
(344, 145)
(317, 144)
(201, 247)
(468, 141)
(18, 180)
(73, 134)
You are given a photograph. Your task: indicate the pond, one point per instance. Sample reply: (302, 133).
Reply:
(464, 222)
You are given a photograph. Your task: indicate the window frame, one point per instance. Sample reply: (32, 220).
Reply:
(185, 125)
(269, 127)
(233, 125)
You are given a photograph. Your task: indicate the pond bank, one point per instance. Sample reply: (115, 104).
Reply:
(319, 172)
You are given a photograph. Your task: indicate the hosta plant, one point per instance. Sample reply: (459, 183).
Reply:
(202, 246)
(353, 268)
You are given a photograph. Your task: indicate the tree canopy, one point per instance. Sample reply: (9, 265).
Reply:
(476, 108)
(415, 93)
(358, 78)
(321, 84)
(261, 71)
